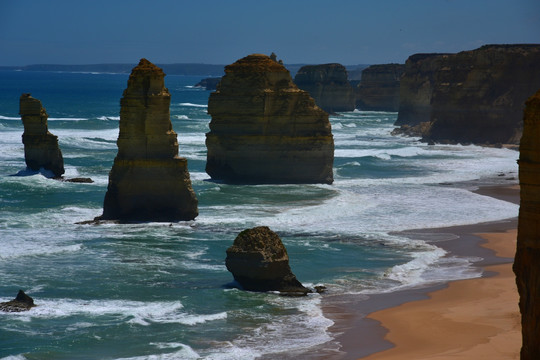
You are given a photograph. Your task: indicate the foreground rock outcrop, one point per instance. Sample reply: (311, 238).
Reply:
(379, 88)
(258, 261)
(21, 303)
(266, 130)
(527, 259)
(41, 148)
(328, 85)
(148, 180)
(470, 97)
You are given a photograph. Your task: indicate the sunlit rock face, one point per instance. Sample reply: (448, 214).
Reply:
(328, 85)
(473, 96)
(266, 130)
(148, 180)
(41, 148)
(527, 260)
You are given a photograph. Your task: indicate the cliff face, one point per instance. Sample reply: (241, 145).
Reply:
(266, 130)
(148, 181)
(527, 259)
(471, 97)
(379, 88)
(40, 146)
(328, 85)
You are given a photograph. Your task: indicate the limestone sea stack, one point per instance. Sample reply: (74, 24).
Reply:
(264, 129)
(527, 259)
(148, 180)
(259, 261)
(41, 148)
(329, 86)
(379, 88)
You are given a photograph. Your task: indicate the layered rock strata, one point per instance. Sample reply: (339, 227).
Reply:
(259, 261)
(379, 88)
(266, 130)
(470, 97)
(41, 148)
(527, 259)
(328, 85)
(148, 180)
(21, 303)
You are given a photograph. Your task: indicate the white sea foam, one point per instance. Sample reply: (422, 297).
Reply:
(109, 118)
(181, 117)
(193, 105)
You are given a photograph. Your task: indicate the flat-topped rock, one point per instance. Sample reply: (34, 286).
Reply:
(264, 129)
(148, 180)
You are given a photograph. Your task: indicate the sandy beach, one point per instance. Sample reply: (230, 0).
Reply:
(469, 319)
(465, 319)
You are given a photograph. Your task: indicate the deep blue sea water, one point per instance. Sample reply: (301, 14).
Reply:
(161, 290)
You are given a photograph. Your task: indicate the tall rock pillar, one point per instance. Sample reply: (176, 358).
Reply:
(41, 148)
(527, 260)
(148, 181)
(264, 129)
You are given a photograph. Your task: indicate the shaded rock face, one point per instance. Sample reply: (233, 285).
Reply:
(379, 88)
(148, 180)
(328, 85)
(266, 130)
(209, 83)
(258, 261)
(41, 148)
(21, 303)
(470, 97)
(527, 259)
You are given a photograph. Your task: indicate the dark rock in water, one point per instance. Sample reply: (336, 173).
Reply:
(379, 88)
(209, 83)
(265, 130)
(527, 259)
(148, 180)
(328, 84)
(258, 261)
(79, 180)
(41, 148)
(21, 303)
(472, 97)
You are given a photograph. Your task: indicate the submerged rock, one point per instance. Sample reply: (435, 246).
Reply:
(148, 180)
(264, 129)
(259, 261)
(527, 259)
(21, 303)
(328, 85)
(41, 148)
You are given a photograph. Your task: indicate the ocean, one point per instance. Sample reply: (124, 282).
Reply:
(161, 290)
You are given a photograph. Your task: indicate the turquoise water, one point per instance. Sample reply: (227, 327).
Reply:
(161, 290)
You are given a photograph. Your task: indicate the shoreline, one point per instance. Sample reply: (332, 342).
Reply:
(370, 328)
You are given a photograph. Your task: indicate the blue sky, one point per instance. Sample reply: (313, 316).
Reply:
(222, 31)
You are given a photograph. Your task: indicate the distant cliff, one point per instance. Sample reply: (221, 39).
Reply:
(266, 130)
(473, 96)
(328, 85)
(527, 259)
(379, 88)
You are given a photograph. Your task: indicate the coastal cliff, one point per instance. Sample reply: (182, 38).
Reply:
(148, 180)
(41, 148)
(379, 88)
(527, 259)
(328, 85)
(473, 96)
(266, 130)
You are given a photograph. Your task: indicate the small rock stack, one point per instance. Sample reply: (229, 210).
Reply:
(148, 181)
(41, 148)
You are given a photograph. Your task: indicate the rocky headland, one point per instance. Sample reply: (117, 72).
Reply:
(328, 84)
(264, 129)
(527, 259)
(208, 83)
(21, 303)
(473, 96)
(41, 148)
(259, 261)
(148, 180)
(378, 89)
